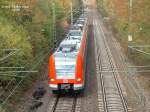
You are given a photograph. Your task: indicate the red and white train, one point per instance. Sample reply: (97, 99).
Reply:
(67, 65)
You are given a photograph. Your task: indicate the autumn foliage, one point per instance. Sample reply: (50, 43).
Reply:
(126, 20)
(27, 25)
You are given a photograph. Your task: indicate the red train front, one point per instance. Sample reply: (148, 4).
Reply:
(68, 64)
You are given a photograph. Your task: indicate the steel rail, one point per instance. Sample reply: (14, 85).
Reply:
(101, 77)
(56, 106)
(103, 92)
(74, 104)
(106, 105)
(132, 83)
(121, 100)
(112, 67)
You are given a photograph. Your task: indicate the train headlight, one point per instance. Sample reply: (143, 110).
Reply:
(78, 79)
(52, 80)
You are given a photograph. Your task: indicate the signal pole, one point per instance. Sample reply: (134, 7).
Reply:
(71, 13)
(130, 16)
(130, 33)
(54, 25)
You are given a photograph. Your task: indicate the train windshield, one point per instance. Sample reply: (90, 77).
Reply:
(65, 68)
(65, 71)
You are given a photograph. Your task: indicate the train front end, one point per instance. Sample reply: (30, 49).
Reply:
(66, 71)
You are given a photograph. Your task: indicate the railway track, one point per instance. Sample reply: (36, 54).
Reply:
(136, 100)
(63, 104)
(110, 95)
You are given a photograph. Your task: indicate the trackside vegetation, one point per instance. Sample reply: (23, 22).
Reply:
(26, 40)
(126, 20)
(131, 17)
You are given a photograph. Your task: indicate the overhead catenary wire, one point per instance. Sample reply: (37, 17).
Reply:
(141, 51)
(20, 82)
(40, 57)
(123, 71)
(17, 76)
(146, 66)
(8, 55)
(2, 72)
(9, 49)
(10, 67)
(6, 88)
(139, 46)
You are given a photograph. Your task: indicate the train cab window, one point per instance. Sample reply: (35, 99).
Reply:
(60, 69)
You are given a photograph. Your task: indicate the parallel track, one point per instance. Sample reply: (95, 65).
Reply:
(112, 99)
(137, 104)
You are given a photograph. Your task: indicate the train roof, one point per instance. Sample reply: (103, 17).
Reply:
(70, 46)
(75, 27)
(67, 42)
(67, 46)
(75, 33)
(80, 22)
(65, 55)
